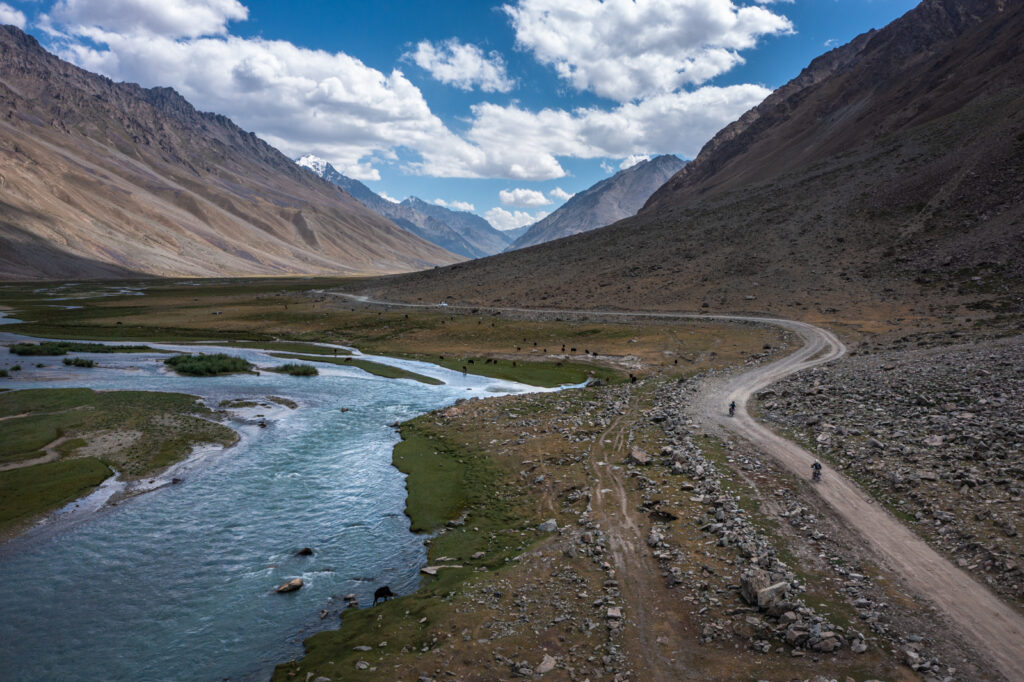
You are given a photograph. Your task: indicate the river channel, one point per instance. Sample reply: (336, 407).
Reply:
(176, 583)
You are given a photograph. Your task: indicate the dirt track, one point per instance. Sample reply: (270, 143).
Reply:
(994, 629)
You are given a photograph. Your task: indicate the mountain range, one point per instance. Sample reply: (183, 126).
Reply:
(606, 202)
(105, 179)
(461, 232)
(886, 178)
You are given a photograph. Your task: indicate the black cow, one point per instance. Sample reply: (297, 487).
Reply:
(382, 594)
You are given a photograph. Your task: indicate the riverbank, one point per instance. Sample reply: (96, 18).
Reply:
(59, 444)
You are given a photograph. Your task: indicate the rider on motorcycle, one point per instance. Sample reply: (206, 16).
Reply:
(732, 408)
(816, 473)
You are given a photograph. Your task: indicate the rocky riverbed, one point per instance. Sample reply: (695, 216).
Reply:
(936, 434)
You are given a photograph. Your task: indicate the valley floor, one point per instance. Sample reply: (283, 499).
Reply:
(618, 531)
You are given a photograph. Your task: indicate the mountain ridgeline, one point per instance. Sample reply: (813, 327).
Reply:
(105, 179)
(461, 232)
(610, 200)
(887, 176)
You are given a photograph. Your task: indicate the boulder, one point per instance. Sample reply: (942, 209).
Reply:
(769, 596)
(290, 586)
(549, 526)
(752, 582)
(305, 551)
(546, 665)
(638, 456)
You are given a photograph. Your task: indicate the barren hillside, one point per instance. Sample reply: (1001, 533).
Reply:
(104, 179)
(886, 179)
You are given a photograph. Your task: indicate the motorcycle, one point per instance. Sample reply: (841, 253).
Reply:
(816, 476)
(732, 409)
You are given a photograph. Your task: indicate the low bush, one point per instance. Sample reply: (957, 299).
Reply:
(208, 365)
(296, 370)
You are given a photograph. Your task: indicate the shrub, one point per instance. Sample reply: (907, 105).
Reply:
(208, 365)
(296, 370)
(65, 347)
(79, 362)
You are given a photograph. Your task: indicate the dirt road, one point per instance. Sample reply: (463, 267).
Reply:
(994, 629)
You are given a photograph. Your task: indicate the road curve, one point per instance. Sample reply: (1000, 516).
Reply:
(990, 626)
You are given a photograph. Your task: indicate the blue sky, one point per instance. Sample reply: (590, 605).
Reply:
(507, 107)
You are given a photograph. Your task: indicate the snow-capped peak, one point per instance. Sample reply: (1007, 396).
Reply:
(313, 163)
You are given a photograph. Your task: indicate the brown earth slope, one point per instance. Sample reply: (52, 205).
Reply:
(104, 179)
(888, 178)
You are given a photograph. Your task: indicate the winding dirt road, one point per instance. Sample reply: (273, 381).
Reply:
(991, 627)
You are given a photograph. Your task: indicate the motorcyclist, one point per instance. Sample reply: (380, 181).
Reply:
(732, 408)
(816, 470)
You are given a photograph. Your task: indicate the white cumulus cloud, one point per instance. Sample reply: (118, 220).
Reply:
(455, 205)
(559, 194)
(523, 197)
(628, 49)
(463, 65)
(387, 197)
(510, 220)
(334, 106)
(632, 160)
(9, 15)
(299, 100)
(168, 18)
(527, 143)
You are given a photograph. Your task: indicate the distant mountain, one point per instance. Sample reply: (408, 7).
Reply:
(460, 232)
(612, 199)
(472, 227)
(886, 180)
(104, 179)
(516, 232)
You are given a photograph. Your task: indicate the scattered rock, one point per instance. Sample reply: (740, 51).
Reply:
(549, 526)
(290, 586)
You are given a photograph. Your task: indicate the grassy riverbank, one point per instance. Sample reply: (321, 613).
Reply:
(59, 443)
(368, 366)
(482, 516)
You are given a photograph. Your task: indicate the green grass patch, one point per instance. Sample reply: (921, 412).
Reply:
(27, 492)
(436, 480)
(65, 347)
(79, 362)
(290, 404)
(208, 365)
(375, 368)
(295, 369)
(157, 429)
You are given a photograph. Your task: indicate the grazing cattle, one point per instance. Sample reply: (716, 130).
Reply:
(382, 594)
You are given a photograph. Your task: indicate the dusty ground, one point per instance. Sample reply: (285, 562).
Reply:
(645, 576)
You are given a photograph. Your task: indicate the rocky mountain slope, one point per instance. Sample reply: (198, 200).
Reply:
(104, 179)
(612, 199)
(474, 229)
(886, 180)
(460, 232)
